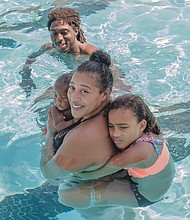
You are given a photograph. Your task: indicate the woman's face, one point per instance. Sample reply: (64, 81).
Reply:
(124, 128)
(84, 95)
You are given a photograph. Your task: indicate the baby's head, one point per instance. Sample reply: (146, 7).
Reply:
(128, 118)
(60, 91)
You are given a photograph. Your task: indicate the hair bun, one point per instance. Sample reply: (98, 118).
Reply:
(101, 57)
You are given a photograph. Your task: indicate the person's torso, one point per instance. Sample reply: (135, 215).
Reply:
(154, 180)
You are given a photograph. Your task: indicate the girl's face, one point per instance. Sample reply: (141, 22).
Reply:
(124, 128)
(60, 97)
(84, 95)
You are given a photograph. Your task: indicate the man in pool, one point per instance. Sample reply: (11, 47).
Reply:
(67, 38)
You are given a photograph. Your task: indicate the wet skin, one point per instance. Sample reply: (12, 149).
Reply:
(63, 37)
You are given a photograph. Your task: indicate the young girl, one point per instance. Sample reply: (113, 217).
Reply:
(146, 164)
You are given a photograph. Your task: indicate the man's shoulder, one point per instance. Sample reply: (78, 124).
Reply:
(89, 48)
(47, 46)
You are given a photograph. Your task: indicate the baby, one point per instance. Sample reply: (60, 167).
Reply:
(60, 111)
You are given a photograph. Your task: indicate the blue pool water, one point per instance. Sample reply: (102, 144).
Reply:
(149, 39)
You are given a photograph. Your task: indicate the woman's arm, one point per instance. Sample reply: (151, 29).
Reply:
(104, 171)
(48, 166)
(131, 157)
(77, 152)
(68, 158)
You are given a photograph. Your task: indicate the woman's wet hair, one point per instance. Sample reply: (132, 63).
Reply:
(141, 110)
(99, 63)
(69, 16)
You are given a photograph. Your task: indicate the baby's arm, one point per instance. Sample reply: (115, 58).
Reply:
(59, 119)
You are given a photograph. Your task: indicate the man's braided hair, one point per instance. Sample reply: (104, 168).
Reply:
(69, 16)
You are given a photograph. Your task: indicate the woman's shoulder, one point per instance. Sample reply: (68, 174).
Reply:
(96, 124)
(91, 130)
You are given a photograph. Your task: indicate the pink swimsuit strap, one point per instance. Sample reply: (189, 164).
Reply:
(151, 140)
(158, 166)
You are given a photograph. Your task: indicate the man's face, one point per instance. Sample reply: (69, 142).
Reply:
(63, 36)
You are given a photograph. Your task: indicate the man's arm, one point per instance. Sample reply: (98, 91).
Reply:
(32, 57)
(48, 94)
(27, 83)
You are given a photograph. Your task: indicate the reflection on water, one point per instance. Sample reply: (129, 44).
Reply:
(36, 17)
(150, 40)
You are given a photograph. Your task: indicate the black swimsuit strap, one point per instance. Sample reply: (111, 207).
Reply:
(66, 130)
(59, 137)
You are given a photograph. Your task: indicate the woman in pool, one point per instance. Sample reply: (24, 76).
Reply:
(148, 168)
(89, 95)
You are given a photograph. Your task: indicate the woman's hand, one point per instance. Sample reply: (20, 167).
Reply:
(50, 125)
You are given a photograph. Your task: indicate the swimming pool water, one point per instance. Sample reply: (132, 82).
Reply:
(149, 39)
